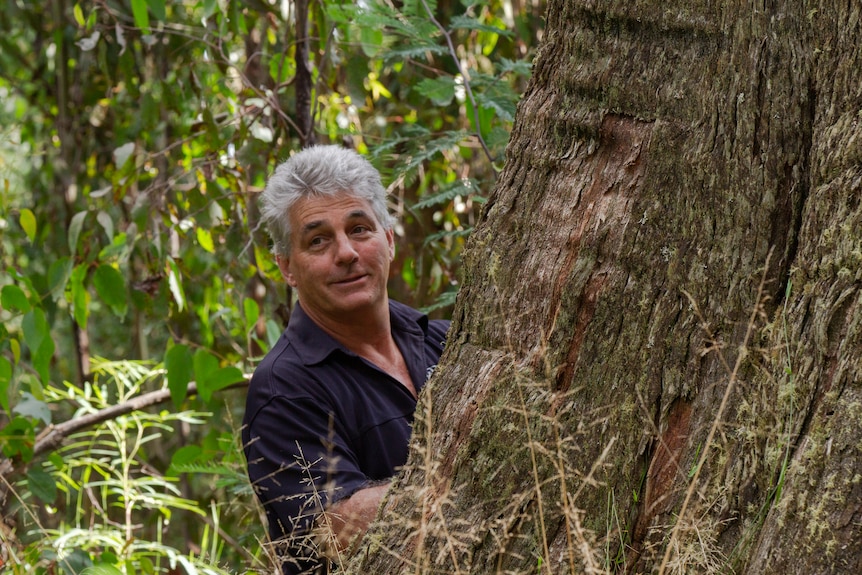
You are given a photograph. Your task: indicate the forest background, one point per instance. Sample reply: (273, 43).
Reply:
(137, 291)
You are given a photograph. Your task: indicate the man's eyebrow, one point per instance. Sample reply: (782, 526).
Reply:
(310, 226)
(358, 214)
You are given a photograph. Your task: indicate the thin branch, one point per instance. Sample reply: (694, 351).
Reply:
(454, 54)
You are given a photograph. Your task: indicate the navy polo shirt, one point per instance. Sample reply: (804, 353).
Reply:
(322, 422)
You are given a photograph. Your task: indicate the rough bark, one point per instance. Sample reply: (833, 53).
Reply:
(656, 357)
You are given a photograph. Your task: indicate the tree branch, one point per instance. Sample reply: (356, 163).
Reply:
(53, 436)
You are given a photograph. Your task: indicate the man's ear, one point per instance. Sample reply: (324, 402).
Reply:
(284, 265)
(390, 238)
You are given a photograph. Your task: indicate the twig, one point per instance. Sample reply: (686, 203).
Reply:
(52, 436)
(454, 54)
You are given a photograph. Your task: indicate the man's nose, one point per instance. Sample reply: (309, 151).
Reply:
(345, 252)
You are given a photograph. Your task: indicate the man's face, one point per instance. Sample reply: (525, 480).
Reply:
(339, 257)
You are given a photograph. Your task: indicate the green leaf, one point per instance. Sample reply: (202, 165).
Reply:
(273, 332)
(42, 485)
(371, 40)
(17, 438)
(58, 275)
(178, 363)
(205, 239)
(79, 296)
(13, 298)
(111, 288)
(5, 382)
(462, 187)
(219, 379)
(28, 223)
(142, 16)
(175, 283)
(35, 328)
(462, 22)
(185, 454)
(77, 562)
(75, 230)
(158, 8)
(103, 569)
(32, 408)
(440, 91)
(107, 223)
(79, 15)
(210, 377)
(252, 311)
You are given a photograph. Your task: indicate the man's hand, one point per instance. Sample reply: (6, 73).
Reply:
(350, 517)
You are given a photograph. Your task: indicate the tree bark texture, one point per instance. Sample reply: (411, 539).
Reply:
(655, 363)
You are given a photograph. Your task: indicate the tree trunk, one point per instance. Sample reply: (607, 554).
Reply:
(655, 358)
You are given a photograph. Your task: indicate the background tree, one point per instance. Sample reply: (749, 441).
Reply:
(137, 289)
(655, 362)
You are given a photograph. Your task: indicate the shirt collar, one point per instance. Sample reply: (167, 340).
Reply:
(313, 345)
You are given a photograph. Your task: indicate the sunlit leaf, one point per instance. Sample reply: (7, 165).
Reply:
(79, 15)
(178, 364)
(205, 239)
(42, 484)
(111, 288)
(28, 223)
(252, 311)
(124, 152)
(13, 298)
(142, 16)
(175, 283)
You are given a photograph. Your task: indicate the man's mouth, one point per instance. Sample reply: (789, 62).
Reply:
(350, 280)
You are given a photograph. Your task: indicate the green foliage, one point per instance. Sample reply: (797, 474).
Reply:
(134, 138)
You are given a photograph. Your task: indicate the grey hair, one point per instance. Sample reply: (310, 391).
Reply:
(319, 171)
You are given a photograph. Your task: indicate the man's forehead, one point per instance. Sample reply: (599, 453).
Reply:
(315, 211)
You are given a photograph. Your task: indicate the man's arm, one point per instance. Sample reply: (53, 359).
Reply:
(350, 517)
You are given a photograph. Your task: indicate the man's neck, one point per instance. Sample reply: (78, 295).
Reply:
(360, 331)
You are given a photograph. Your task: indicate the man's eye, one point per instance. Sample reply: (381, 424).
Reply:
(361, 229)
(315, 241)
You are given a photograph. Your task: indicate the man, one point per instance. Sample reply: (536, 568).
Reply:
(330, 407)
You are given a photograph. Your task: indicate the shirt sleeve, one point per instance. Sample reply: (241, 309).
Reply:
(300, 461)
